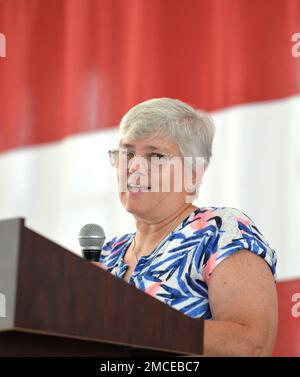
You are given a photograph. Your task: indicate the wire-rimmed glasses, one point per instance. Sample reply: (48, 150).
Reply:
(152, 159)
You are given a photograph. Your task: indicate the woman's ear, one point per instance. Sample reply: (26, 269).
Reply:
(192, 188)
(193, 175)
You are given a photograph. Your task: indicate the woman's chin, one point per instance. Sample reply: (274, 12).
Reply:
(135, 204)
(135, 209)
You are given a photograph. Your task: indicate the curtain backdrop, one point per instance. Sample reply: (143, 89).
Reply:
(73, 68)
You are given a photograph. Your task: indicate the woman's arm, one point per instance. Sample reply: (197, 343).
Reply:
(243, 302)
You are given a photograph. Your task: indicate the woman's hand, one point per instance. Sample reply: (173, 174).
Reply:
(101, 265)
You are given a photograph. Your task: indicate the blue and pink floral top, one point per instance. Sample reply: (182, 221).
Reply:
(178, 270)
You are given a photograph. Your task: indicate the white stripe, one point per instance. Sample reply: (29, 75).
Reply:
(256, 169)
(61, 186)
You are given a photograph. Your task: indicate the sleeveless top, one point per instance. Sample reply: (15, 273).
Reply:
(178, 270)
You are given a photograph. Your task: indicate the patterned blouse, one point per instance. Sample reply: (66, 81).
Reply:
(177, 271)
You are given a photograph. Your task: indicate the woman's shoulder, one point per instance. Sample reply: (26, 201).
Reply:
(228, 230)
(221, 215)
(221, 211)
(227, 225)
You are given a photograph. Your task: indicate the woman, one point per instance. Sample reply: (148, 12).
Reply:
(206, 262)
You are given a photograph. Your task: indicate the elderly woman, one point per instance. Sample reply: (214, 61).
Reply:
(207, 262)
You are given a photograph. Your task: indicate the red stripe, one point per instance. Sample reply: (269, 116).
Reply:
(212, 54)
(288, 337)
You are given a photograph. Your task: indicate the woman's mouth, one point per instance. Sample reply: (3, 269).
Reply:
(137, 188)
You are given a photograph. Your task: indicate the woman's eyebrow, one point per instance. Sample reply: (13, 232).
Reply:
(148, 147)
(125, 145)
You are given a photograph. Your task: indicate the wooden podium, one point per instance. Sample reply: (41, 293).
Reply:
(55, 303)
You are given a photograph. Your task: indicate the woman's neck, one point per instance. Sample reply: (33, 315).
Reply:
(150, 232)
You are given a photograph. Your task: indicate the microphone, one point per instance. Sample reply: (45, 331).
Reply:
(91, 239)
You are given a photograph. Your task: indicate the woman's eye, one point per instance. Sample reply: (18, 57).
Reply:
(157, 155)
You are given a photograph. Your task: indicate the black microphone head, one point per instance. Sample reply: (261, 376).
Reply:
(91, 239)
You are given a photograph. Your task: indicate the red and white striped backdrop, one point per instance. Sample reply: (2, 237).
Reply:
(73, 68)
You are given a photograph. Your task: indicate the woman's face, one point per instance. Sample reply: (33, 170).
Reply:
(150, 180)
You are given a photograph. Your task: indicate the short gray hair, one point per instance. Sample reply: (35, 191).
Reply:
(191, 129)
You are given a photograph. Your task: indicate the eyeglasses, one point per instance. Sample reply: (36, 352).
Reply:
(154, 158)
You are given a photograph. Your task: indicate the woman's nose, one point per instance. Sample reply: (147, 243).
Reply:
(138, 164)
